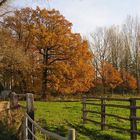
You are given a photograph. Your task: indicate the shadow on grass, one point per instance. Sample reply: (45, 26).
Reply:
(6, 133)
(81, 129)
(92, 133)
(59, 129)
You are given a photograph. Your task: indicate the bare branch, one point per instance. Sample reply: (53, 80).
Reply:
(2, 2)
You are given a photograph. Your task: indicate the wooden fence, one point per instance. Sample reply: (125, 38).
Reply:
(102, 103)
(29, 126)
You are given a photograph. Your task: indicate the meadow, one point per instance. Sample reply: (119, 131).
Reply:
(60, 116)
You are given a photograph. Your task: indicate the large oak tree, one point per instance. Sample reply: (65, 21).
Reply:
(64, 57)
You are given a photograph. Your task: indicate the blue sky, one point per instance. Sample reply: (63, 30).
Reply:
(86, 15)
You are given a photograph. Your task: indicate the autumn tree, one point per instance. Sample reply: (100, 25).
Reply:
(13, 63)
(64, 58)
(63, 54)
(110, 76)
(129, 82)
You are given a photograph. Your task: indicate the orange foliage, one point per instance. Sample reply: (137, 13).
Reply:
(129, 80)
(110, 75)
(63, 57)
(75, 75)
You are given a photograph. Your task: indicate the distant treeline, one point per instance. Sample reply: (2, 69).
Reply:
(117, 56)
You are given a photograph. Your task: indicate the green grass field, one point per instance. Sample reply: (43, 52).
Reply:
(59, 116)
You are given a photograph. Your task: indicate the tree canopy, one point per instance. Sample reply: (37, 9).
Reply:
(62, 59)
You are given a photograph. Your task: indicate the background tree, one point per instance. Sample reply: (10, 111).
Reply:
(99, 47)
(110, 76)
(14, 65)
(119, 45)
(129, 82)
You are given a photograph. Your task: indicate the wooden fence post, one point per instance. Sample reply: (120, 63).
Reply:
(24, 128)
(30, 112)
(133, 122)
(13, 100)
(84, 110)
(102, 114)
(71, 135)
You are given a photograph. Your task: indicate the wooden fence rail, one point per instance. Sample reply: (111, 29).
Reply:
(71, 132)
(29, 125)
(132, 118)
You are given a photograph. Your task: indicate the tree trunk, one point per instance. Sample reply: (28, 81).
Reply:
(104, 88)
(24, 86)
(44, 84)
(112, 91)
(45, 74)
